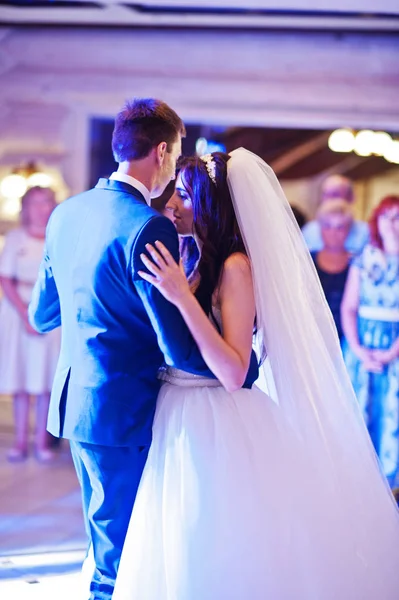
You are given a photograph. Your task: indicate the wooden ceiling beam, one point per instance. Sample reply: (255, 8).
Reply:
(300, 152)
(348, 163)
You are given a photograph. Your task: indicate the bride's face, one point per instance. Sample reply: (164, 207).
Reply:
(181, 207)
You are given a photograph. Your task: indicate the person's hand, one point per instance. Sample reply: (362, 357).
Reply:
(168, 277)
(368, 359)
(384, 356)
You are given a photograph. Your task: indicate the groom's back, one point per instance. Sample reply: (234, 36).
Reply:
(105, 387)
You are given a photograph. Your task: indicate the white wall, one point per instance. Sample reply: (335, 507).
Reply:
(54, 80)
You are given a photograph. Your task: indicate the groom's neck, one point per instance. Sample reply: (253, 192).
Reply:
(142, 170)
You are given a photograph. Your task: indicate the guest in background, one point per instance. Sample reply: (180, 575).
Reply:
(370, 319)
(337, 186)
(332, 261)
(27, 359)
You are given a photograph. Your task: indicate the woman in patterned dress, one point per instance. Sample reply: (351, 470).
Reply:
(370, 317)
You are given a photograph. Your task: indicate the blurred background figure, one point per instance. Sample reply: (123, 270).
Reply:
(335, 220)
(27, 359)
(337, 187)
(370, 318)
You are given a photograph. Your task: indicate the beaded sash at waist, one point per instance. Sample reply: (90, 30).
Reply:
(184, 379)
(379, 313)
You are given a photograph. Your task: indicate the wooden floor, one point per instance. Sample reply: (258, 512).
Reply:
(42, 536)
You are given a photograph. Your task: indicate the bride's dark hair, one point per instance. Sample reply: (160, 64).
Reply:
(215, 221)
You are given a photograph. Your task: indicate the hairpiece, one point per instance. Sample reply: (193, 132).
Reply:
(210, 166)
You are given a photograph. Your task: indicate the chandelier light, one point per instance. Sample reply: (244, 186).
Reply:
(13, 186)
(381, 142)
(365, 143)
(392, 152)
(22, 178)
(342, 140)
(40, 179)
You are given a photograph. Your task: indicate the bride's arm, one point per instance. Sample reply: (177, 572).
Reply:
(228, 356)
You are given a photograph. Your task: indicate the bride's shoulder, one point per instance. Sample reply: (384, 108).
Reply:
(236, 270)
(236, 282)
(237, 262)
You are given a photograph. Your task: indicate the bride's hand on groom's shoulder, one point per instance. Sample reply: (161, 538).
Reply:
(165, 274)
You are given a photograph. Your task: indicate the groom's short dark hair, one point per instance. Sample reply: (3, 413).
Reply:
(142, 124)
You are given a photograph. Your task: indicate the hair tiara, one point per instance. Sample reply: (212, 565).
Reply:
(210, 166)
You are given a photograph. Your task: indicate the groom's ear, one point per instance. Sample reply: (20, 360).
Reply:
(160, 153)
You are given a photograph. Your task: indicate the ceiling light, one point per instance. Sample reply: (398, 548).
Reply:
(381, 143)
(39, 179)
(341, 140)
(13, 186)
(392, 152)
(364, 142)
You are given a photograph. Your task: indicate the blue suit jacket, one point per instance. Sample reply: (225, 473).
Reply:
(116, 328)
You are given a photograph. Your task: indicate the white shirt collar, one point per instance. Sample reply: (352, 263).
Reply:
(118, 176)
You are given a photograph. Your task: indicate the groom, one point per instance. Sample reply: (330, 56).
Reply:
(116, 328)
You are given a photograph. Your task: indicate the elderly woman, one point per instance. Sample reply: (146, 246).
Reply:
(337, 187)
(27, 359)
(370, 318)
(332, 261)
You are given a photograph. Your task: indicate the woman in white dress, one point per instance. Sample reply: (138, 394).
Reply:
(245, 497)
(27, 359)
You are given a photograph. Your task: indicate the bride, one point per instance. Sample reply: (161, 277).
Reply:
(244, 497)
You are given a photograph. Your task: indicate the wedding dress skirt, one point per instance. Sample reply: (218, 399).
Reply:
(232, 506)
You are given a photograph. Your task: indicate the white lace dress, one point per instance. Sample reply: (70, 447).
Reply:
(231, 507)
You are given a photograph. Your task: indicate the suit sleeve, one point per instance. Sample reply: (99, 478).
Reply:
(174, 337)
(44, 308)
